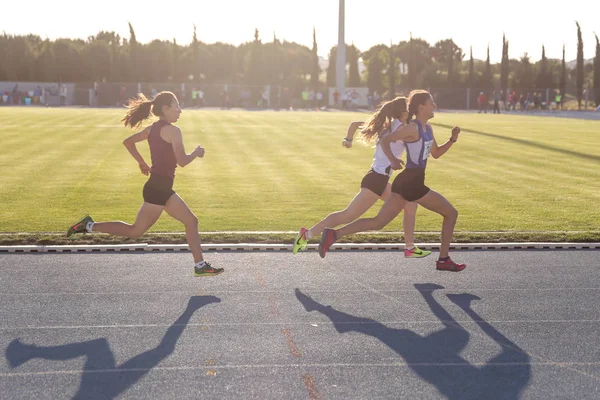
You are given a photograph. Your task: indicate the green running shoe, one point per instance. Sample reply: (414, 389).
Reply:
(207, 270)
(300, 242)
(415, 252)
(80, 227)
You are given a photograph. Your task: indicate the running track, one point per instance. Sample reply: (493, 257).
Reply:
(355, 325)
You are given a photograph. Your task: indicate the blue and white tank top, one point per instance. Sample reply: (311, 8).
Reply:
(381, 164)
(418, 152)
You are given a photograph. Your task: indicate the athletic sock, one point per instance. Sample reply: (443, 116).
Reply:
(308, 235)
(443, 259)
(89, 226)
(200, 264)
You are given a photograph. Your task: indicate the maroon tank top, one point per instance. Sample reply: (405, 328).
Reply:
(164, 162)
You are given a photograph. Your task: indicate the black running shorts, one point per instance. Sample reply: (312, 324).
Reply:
(158, 189)
(410, 184)
(375, 182)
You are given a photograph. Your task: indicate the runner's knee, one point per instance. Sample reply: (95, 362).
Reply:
(191, 221)
(137, 232)
(452, 213)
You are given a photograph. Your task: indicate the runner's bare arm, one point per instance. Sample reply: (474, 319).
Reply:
(406, 133)
(352, 128)
(176, 140)
(130, 142)
(438, 151)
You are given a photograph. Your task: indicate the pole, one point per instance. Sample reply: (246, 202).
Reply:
(341, 54)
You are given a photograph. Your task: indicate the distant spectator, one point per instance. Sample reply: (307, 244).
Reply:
(263, 102)
(513, 100)
(195, 97)
(200, 95)
(37, 95)
(15, 94)
(346, 99)
(522, 101)
(528, 100)
(305, 99)
(225, 99)
(497, 98)
(354, 99)
(63, 95)
(319, 98)
(537, 100)
(482, 100)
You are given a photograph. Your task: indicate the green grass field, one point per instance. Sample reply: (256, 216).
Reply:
(282, 170)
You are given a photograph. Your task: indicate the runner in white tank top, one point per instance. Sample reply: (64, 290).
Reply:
(381, 164)
(375, 184)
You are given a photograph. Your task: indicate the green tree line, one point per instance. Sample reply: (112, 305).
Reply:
(108, 57)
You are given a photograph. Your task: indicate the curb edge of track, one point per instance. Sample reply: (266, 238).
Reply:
(251, 247)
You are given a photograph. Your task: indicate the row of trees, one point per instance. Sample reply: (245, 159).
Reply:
(408, 64)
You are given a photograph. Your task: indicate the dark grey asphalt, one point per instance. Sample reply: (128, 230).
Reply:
(355, 325)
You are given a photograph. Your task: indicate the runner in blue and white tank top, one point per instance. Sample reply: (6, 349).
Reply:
(418, 152)
(375, 184)
(409, 185)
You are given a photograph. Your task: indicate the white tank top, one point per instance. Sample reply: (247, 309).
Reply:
(381, 164)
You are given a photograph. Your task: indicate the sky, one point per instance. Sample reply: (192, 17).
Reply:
(528, 24)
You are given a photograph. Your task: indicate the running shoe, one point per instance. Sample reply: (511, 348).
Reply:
(300, 242)
(416, 252)
(207, 270)
(449, 265)
(327, 239)
(80, 226)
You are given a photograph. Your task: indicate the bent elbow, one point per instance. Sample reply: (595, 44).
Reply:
(128, 143)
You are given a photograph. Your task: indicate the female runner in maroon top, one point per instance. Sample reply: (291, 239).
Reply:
(167, 151)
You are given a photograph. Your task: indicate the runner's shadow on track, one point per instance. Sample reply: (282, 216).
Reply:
(436, 358)
(101, 377)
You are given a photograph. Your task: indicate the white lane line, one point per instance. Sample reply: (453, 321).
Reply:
(320, 365)
(218, 292)
(307, 323)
